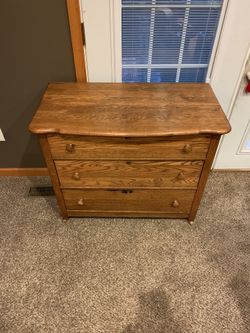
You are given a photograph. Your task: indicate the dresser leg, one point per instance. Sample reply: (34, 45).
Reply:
(190, 222)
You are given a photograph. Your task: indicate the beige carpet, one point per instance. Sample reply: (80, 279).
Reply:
(125, 275)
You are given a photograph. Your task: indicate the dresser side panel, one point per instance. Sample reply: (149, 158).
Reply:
(204, 176)
(53, 174)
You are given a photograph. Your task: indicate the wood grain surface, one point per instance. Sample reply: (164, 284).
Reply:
(135, 150)
(129, 109)
(129, 200)
(128, 174)
(132, 214)
(160, 148)
(53, 174)
(73, 8)
(204, 176)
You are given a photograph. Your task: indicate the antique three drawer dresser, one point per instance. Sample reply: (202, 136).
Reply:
(132, 150)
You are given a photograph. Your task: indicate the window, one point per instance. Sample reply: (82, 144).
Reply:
(168, 40)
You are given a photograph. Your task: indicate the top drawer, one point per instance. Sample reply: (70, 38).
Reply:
(160, 148)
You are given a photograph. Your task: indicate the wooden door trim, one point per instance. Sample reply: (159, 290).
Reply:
(24, 172)
(75, 25)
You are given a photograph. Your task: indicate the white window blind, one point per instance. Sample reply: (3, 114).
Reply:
(168, 40)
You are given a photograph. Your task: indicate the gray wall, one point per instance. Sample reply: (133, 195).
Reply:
(35, 48)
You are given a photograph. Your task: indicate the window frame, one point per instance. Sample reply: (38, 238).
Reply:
(108, 67)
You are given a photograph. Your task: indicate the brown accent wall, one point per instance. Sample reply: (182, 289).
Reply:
(35, 48)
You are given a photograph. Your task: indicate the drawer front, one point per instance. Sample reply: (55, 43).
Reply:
(128, 174)
(80, 147)
(126, 200)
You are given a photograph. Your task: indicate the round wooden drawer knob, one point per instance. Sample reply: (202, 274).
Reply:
(70, 147)
(187, 148)
(180, 176)
(81, 202)
(175, 204)
(76, 176)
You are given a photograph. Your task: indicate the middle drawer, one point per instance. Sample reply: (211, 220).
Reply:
(128, 174)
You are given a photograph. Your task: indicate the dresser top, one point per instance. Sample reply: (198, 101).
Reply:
(129, 109)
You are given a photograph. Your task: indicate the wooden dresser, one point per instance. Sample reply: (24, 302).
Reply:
(135, 150)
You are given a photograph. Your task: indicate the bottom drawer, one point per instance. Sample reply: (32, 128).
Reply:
(138, 201)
